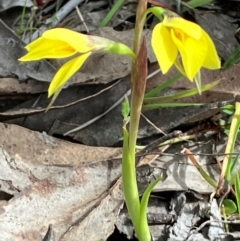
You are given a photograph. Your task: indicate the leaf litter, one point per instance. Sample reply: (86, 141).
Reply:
(49, 179)
(69, 191)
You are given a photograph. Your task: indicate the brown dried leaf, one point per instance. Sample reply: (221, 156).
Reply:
(60, 121)
(12, 48)
(12, 86)
(58, 183)
(107, 211)
(40, 148)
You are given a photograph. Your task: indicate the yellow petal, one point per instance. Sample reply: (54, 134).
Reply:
(189, 28)
(55, 95)
(80, 42)
(193, 52)
(65, 72)
(163, 47)
(47, 49)
(212, 60)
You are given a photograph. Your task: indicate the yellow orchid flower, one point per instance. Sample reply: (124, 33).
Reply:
(61, 43)
(174, 36)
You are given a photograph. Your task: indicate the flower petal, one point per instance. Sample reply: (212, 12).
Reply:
(66, 71)
(47, 49)
(189, 28)
(163, 47)
(81, 42)
(193, 52)
(55, 95)
(212, 60)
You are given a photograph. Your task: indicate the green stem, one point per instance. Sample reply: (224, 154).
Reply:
(226, 167)
(138, 84)
(130, 189)
(138, 90)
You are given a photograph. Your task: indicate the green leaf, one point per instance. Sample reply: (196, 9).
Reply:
(233, 164)
(142, 224)
(167, 105)
(228, 111)
(129, 181)
(233, 59)
(228, 107)
(163, 86)
(226, 131)
(233, 176)
(233, 132)
(198, 3)
(157, 12)
(182, 94)
(115, 8)
(125, 109)
(230, 206)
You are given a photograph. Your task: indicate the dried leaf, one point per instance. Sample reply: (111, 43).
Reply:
(11, 49)
(57, 183)
(12, 86)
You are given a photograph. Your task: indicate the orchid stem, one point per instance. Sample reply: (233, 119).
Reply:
(139, 68)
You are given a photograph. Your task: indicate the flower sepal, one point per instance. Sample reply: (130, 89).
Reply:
(120, 49)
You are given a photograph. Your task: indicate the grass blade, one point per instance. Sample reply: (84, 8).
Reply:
(233, 59)
(182, 94)
(163, 86)
(117, 5)
(168, 105)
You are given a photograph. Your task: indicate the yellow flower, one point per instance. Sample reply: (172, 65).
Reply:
(174, 36)
(61, 43)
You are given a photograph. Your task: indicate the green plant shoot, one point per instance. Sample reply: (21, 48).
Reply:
(172, 43)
